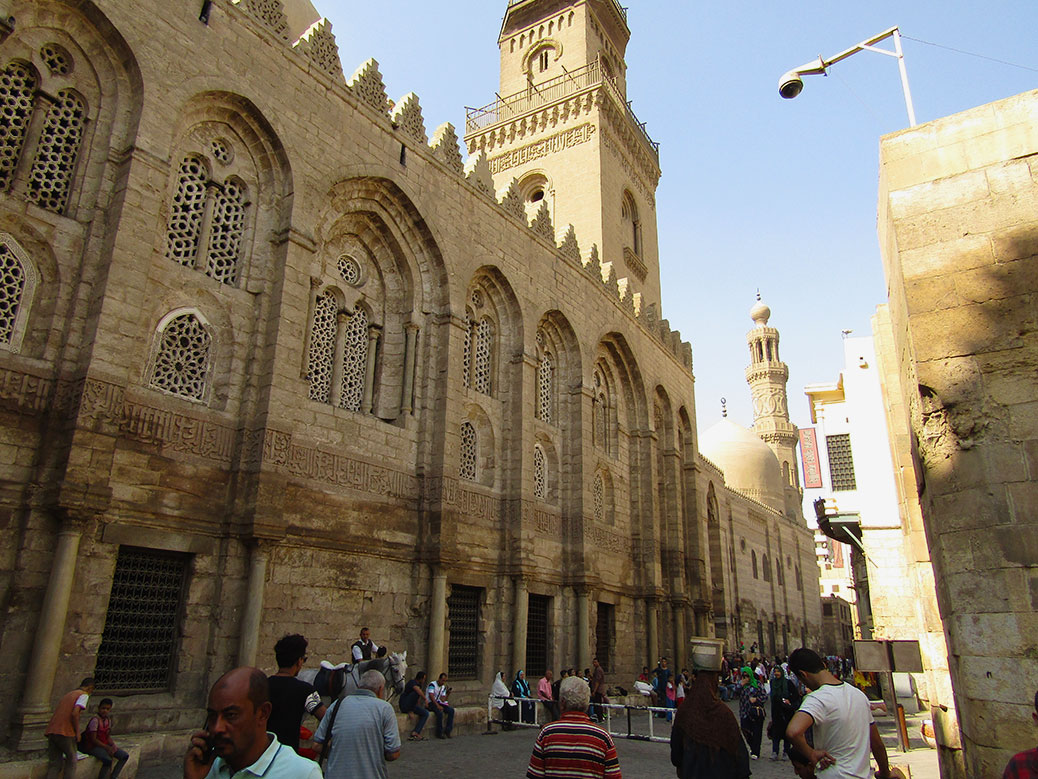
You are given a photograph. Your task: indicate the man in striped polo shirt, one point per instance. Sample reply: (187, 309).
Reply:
(573, 747)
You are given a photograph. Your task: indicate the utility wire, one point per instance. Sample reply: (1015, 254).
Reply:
(970, 54)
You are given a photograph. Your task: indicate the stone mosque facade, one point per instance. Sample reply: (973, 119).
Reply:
(275, 360)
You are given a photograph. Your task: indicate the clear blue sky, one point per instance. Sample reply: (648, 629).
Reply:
(756, 191)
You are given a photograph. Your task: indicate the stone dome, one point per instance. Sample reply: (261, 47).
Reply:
(760, 313)
(300, 15)
(749, 465)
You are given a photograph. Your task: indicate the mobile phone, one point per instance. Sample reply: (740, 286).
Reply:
(210, 748)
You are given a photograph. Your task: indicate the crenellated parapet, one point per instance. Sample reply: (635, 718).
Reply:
(366, 84)
(503, 125)
(318, 45)
(407, 116)
(269, 13)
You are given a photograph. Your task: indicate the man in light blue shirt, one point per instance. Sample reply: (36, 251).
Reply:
(235, 743)
(364, 735)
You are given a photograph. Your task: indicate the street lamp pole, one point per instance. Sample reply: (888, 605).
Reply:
(791, 84)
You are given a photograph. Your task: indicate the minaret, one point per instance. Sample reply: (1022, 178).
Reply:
(767, 376)
(563, 129)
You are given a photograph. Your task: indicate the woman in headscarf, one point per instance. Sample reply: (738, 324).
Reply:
(751, 710)
(705, 742)
(785, 700)
(520, 689)
(501, 699)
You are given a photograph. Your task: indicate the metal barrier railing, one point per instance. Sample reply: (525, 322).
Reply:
(620, 720)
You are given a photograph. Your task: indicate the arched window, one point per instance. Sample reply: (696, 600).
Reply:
(598, 497)
(540, 475)
(50, 179)
(483, 357)
(469, 452)
(206, 226)
(333, 377)
(354, 360)
(18, 280)
(226, 233)
(546, 388)
(632, 223)
(466, 351)
(753, 556)
(17, 88)
(188, 207)
(321, 359)
(601, 413)
(182, 359)
(766, 564)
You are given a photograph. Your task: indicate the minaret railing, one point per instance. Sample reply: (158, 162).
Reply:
(552, 91)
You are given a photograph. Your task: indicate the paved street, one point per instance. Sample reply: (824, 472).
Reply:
(507, 754)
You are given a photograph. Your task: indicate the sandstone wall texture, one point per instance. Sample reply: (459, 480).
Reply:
(958, 227)
(291, 347)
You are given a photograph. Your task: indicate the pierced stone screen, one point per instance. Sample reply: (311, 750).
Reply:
(12, 286)
(139, 641)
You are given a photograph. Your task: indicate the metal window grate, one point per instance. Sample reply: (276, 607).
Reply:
(537, 635)
(604, 633)
(463, 611)
(139, 641)
(841, 462)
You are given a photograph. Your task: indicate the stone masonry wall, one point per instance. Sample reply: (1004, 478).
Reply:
(957, 218)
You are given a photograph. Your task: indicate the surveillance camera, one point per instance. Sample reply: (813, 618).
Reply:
(790, 85)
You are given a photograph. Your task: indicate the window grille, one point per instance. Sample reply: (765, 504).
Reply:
(540, 485)
(598, 497)
(354, 361)
(483, 357)
(226, 233)
(604, 634)
(322, 348)
(182, 362)
(187, 232)
(51, 176)
(466, 353)
(841, 462)
(57, 60)
(185, 218)
(17, 86)
(463, 613)
(537, 635)
(601, 423)
(12, 288)
(222, 151)
(349, 269)
(546, 388)
(469, 447)
(139, 641)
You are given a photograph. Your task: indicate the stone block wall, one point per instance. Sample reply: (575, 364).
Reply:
(957, 223)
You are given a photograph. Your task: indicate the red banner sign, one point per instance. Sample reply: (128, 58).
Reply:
(809, 458)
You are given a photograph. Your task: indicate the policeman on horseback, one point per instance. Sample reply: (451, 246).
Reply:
(365, 648)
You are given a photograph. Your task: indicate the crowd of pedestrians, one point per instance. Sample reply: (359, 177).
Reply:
(821, 723)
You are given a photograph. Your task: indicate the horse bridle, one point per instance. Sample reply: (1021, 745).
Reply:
(393, 681)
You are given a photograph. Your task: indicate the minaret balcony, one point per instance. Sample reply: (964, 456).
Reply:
(537, 97)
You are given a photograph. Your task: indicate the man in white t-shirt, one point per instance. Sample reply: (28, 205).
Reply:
(841, 721)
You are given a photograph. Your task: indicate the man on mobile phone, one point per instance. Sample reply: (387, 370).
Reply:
(235, 737)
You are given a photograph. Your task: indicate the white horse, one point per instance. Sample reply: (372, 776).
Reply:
(393, 668)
